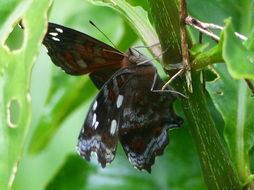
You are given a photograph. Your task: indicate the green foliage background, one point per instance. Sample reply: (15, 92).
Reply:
(45, 151)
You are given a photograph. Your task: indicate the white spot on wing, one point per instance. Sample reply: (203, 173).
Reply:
(82, 63)
(93, 156)
(95, 105)
(94, 119)
(56, 39)
(119, 101)
(96, 124)
(113, 127)
(53, 33)
(59, 30)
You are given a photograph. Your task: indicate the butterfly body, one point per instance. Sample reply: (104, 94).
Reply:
(125, 108)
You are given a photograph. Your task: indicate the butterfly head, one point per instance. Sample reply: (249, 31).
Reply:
(135, 57)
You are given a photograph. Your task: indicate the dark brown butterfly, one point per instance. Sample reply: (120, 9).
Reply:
(125, 109)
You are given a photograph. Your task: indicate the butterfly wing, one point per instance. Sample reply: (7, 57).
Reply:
(126, 108)
(146, 117)
(77, 53)
(99, 134)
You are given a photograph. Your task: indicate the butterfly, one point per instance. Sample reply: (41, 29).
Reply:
(126, 108)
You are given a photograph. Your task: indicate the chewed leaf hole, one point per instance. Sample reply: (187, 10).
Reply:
(210, 75)
(15, 38)
(219, 92)
(13, 113)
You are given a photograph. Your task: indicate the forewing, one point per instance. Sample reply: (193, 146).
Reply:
(145, 118)
(99, 134)
(77, 53)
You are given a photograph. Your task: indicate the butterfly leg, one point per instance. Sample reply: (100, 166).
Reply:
(163, 90)
(181, 71)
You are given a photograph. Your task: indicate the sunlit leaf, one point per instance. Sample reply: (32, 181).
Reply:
(15, 73)
(74, 174)
(239, 59)
(233, 99)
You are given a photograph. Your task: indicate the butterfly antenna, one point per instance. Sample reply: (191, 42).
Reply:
(102, 33)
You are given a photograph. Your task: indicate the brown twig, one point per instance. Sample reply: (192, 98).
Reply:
(198, 25)
(172, 78)
(184, 43)
(203, 27)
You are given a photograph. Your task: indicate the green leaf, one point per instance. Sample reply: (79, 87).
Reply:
(236, 106)
(10, 12)
(198, 48)
(239, 58)
(74, 174)
(250, 43)
(138, 19)
(213, 55)
(127, 39)
(15, 73)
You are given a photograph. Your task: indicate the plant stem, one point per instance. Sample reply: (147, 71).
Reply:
(218, 171)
